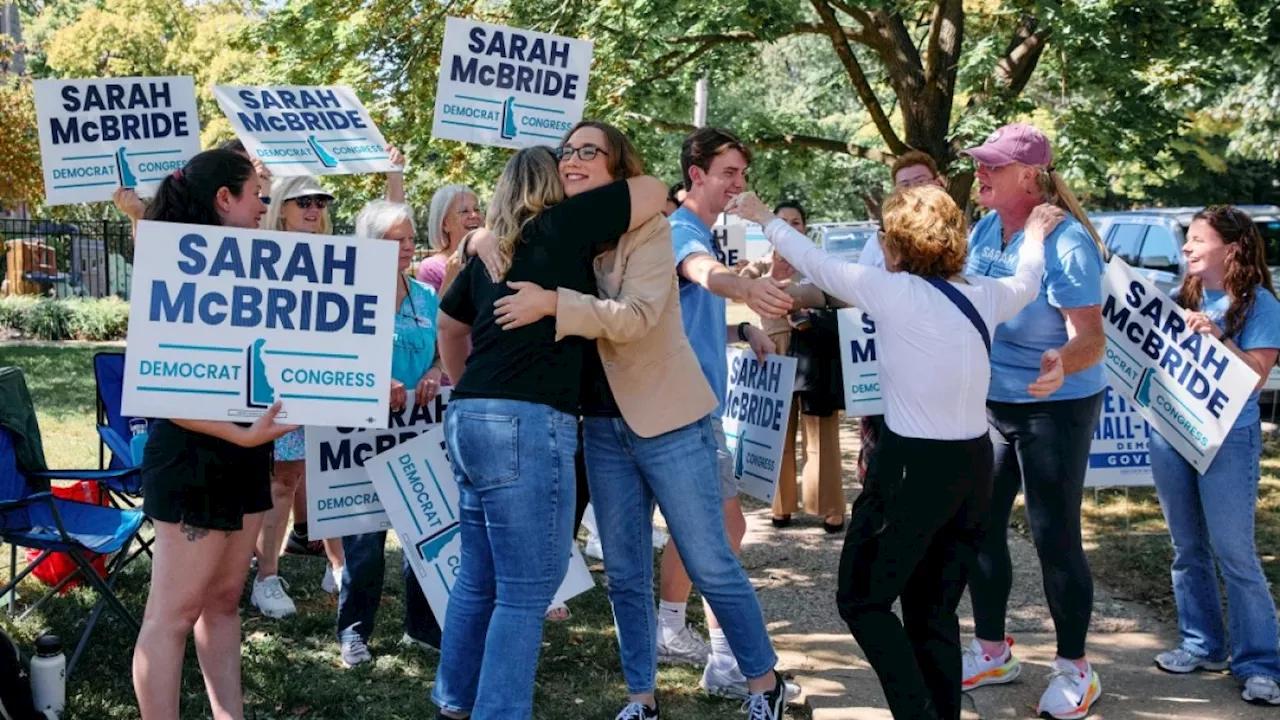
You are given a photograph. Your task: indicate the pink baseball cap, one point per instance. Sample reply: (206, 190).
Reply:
(1013, 143)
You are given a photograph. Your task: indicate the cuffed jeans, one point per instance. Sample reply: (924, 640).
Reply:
(1211, 521)
(680, 470)
(513, 462)
(361, 592)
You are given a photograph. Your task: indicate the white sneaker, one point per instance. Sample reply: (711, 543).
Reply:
(682, 648)
(723, 678)
(354, 651)
(332, 580)
(1181, 660)
(979, 668)
(1071, 692)
(592, 549)
(270, 598)
(1261, 690)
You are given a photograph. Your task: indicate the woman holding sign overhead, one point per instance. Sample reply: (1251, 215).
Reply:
(914, 530)
(206, 486)
(512, 428)
(1210, 515)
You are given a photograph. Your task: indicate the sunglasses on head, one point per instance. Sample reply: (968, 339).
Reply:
(306, 201)
(586, 153)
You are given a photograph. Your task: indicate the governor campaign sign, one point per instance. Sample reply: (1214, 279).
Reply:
(343, 501)
(225, 321)
(858, 363)
(1189, 386)
(508, 87)
(100, 134)
(756, 408)
(420, 494)
(1119, 455)
(296, 130)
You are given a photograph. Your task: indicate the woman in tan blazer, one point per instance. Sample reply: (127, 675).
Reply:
(647, 427)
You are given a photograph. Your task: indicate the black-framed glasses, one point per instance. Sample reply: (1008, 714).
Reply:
(306, 201)
(266, 199)
(586, 153)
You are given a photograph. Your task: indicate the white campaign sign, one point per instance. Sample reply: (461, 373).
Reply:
(225, 321)
(100, 134)
(507, 86)
(1120, 454)
(416, 484)
(756, 408)
(1189, 386)
(297, 130)
(341, 496)
(730, 235)
(859, 364)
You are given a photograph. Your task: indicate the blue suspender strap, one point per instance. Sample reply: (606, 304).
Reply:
(960, 301)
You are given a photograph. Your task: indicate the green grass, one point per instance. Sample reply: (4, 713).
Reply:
(291, 668)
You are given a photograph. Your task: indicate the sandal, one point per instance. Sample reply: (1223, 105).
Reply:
(781, 521)
(558, 612)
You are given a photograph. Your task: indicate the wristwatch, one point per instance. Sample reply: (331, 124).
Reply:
(742, 331)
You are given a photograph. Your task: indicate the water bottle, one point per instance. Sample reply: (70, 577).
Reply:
(138, 443)
(49, 676)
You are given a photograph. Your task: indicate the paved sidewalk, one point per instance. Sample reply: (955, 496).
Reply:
(794, 571)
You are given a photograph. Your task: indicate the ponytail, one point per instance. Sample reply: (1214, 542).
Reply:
(188, 195)
(1055, 191)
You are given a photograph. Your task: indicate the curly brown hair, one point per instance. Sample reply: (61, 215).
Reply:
(925, 230)
(1246, 265)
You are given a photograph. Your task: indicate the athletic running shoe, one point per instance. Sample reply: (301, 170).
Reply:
(981, 669)
(1071, 692)
(637, 711)
(332, 580)
(682, 648)
(1181, 660)
(354, 650)
(771, 705)
(270, 598)
(300, 545)
(1261, 690)
(724, 679)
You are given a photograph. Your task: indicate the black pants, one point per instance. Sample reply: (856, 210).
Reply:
(913, 534)
(584, 490)
(1042, 448)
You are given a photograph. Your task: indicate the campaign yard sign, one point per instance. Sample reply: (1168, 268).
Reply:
(100, 134)
(507, 86)
(306, 130)
(859, 364)
(225, 321)
(1189, 386)
(730, 234)
(756, 408)
(343, 501)
(417, 486)
(1120, 453)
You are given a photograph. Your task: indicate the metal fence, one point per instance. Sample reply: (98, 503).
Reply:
(80, 259)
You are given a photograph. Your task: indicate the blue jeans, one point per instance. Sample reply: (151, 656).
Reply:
(513, 461)
(361, 593)
(1211, 518)
(679, 470)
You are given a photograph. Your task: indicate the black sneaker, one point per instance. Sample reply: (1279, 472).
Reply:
(638, 711)
(772, 705)
(299, 545)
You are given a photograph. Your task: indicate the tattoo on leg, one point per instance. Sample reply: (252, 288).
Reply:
(193, 533)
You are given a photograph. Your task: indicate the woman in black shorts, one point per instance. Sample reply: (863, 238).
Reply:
(206, 485)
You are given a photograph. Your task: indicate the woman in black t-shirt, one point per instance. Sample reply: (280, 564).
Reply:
(205, 485)
(511, 429)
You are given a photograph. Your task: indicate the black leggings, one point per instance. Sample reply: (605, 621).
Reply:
(914, 533)
(584, 490)
(1042, 448)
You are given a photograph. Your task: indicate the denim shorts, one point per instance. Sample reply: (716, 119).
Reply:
(729, 483)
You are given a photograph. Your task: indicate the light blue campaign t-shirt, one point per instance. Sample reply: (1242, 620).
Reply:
(703, 311)
(414, 346)
(1261, 331)
(1073, 270)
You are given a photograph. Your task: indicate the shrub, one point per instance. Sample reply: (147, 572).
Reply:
(100, 319)
(15, 311)
(50, 319)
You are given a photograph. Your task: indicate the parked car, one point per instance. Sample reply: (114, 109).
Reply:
(1151, 240)
(844, 239)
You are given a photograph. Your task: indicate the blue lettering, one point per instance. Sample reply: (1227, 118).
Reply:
(163, 306)
(362, 317)
(347, 265)
(190, 246)
(207, 314)
(246, 310)
(324, 301)
(228, 259)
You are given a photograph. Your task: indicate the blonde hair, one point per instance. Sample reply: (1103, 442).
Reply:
(925, 230)
(280, 188)
(1053, 189)
(529, 184)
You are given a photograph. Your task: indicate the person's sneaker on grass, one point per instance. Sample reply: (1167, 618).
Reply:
(410, 641)
(722, 678)
(980, 668)
(684, 647)
(1261, 690)
(298, 544)
(1181, 660)
(1072, 692)
(770, 705)
(638, 711)
(332, 580)
(354, 650)
(270, 598)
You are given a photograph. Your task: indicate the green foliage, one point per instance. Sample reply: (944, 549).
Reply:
(95, 319)
(21, 178)
(100, 319)
(50, 320)
(15, 311)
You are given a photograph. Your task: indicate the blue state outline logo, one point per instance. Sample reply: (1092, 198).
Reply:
(259, 391)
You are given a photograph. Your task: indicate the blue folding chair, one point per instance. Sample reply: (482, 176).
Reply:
(35, 519)
(113, 427)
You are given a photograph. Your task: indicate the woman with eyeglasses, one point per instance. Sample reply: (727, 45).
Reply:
(455, 211)
(1210, 514)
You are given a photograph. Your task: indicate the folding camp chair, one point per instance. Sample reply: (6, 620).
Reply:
(31, 517)
(113, 428)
